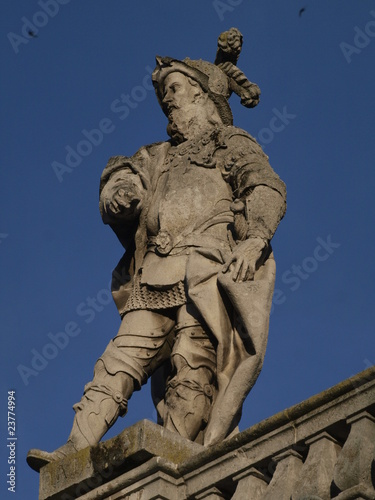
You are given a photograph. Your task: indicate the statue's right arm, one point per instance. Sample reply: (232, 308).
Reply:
(121, 193)
(121, 197)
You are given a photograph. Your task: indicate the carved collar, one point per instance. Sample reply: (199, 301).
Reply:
(198, 151)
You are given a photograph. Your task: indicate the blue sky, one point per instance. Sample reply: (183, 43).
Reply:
(315, 120)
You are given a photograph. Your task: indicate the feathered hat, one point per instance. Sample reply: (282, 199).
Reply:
(219, 80)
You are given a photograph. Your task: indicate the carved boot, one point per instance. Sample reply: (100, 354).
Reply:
(191, 389)
(97, 411)
(188, 401)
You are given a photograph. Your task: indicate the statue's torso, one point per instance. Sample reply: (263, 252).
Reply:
(189, 191)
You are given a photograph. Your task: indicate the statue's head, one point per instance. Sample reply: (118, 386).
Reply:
(213, 83)
(190, 108)
(201, 74)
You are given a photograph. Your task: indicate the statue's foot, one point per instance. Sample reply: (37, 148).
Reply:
(39, 458)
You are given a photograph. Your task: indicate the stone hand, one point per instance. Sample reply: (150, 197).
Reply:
(243, 260)
(125, 201)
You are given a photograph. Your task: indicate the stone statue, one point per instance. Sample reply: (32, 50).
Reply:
(195, 215)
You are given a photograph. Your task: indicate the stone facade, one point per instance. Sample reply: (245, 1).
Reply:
(320, 449)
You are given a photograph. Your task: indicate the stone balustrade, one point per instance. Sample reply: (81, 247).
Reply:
(320, 449)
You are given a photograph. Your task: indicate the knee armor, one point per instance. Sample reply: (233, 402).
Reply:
(191, 389)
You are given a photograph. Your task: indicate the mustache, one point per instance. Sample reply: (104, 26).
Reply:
(171, 107)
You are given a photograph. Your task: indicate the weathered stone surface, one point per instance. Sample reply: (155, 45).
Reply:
(196, 215)
(250, 482)
(69, 476)
(315, 478)
(355, 464)
(147, 461)
(211, 494)
(287, 472)
(357, 493)
(89, 468)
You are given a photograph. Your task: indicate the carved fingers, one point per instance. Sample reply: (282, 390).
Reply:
(244, 258)
(122, 196)
(124, 201)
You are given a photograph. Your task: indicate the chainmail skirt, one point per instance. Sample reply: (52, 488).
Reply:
(146, 297)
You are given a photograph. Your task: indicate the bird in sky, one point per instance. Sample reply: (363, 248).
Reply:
(301, 11)
(32, 34)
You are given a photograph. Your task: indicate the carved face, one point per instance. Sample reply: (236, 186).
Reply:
(178, 92)
(190, 110)
(186, 107)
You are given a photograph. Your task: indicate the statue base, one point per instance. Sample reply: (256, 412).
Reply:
(321, 448)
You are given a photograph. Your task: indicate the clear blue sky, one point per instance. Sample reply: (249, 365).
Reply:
(316, 71)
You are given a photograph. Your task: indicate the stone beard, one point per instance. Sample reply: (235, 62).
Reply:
(193, 114)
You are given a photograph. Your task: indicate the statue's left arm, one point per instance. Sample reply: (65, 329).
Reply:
(260, 204)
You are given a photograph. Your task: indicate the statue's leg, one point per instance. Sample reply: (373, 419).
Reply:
(191, 389)
(141, 345)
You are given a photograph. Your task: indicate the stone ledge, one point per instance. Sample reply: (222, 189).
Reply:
(358, 384)
(152, 480)
(146, 460)
(89, 468)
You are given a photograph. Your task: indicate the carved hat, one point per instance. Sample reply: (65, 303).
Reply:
(219, 80)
